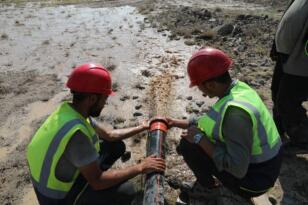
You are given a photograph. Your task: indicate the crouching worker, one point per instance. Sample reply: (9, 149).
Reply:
(68, 163)
(236, 140)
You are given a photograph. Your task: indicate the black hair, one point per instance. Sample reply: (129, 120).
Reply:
(79, 97)
(224, 78)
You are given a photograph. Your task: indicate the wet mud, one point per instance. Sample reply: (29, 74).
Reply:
(145, 45)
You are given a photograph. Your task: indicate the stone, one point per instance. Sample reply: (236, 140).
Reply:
(199, 103)
(136, 114)
(225, 30)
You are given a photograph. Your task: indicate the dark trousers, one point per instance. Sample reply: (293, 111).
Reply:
(80, 194)
(259, 177)
(288, 94)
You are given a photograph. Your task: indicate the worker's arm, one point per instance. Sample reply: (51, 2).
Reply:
(118, 134)
(99, 179)
(232, 156)
(81, 153)
(172, 122)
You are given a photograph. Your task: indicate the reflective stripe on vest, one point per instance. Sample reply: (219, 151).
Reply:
(265, 149)
(46, 168)
(48, 145)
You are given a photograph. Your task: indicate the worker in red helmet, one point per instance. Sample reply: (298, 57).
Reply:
(70, 154)
(236, 141)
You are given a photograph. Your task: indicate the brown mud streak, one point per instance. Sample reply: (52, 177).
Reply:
(160, 93)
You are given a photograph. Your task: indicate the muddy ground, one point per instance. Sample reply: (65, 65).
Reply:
(145, 45)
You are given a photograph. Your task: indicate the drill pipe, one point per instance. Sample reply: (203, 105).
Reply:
(154, 182)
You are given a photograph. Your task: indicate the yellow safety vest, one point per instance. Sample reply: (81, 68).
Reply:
(48, 145)
(266, 139)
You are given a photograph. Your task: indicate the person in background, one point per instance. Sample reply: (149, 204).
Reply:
(290, 78)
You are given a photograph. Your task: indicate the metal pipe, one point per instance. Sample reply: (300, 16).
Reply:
(154, 183)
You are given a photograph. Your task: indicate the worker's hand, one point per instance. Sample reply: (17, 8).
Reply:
(152, 164)
(190, 133)
(177, 123)
(145, 124)
(171, 122)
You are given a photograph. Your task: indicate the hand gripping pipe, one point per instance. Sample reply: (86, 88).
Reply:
(154, 182)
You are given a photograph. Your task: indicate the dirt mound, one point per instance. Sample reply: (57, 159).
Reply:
(160, 94)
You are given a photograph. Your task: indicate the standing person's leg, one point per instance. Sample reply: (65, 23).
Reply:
(276, 79)
(292, 93)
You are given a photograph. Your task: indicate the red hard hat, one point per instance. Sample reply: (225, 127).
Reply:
(207, 63)
(90, 78)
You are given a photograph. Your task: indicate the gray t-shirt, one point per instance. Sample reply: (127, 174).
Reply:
(78, 152)
(291, 26)
(233, 156)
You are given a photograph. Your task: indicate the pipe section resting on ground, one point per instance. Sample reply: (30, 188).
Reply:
(154, 183)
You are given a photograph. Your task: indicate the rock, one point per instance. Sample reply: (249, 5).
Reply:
(207, 35)
(137, 107)
(136, 114)
(125, 97)
(200, 103)
(46, 42)
(146, 73)
(135, 97)
(140, 87)
(4, 36)
(189, 42)
(235, 51)
(237, 30)
(189, 98)
(225, 29)
(118, 120)
(254, 65)
(126, 156)
(189, 109)
(136, 140)
(111, 67)
(196, 111)
(240, 17)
